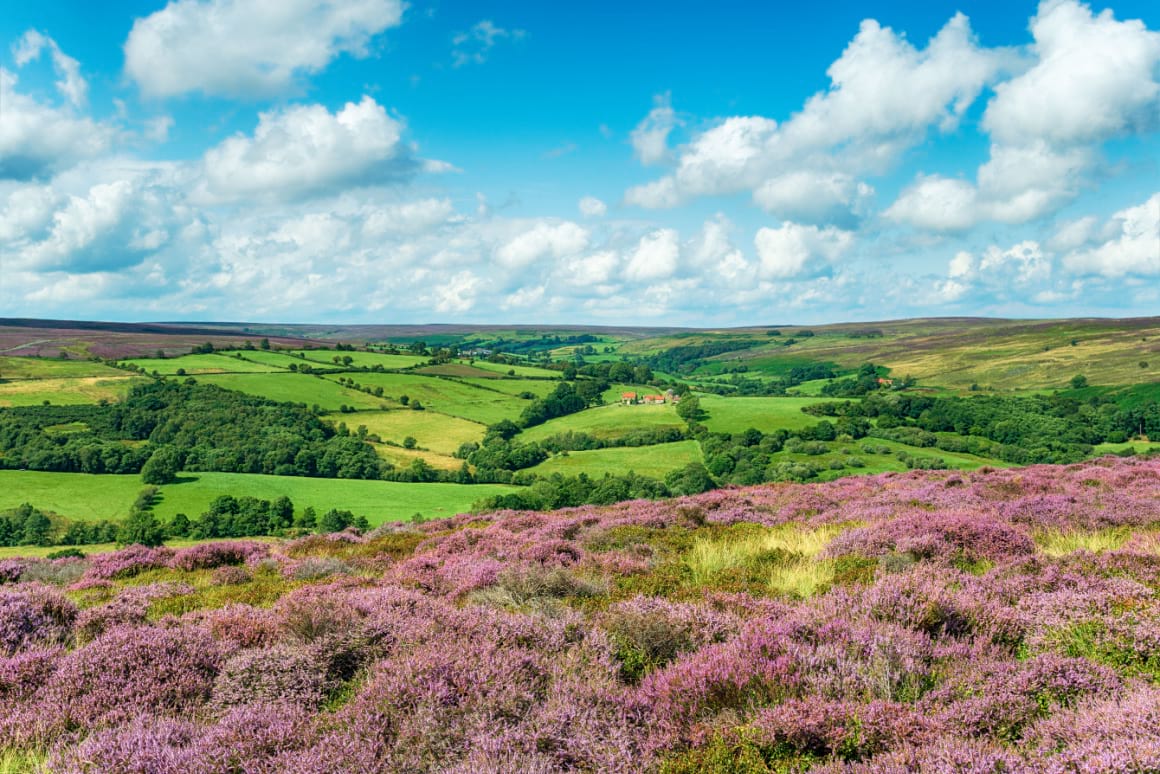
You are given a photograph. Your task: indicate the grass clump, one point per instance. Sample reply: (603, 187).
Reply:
(782, 559)
(1061, 542)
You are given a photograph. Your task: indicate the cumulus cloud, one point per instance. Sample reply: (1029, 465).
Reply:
(1135, 250)
(884, 97)
(796, 250)
(591, 207)
(110, 226)
(555, 240)
(248, 48)
(650, 138)
(474, 46)
(306, 149)
(408, 217)
(38, 139)
(814, 197)
(70, 84)
(655, 256)
(1092, 78)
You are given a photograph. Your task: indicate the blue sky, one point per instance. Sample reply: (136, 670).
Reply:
(374, 161)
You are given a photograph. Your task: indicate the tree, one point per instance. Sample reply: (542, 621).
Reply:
(1078, 382)
(37, 530)
(141, 527)
(162, 466)
(180, 526)
(689, 409)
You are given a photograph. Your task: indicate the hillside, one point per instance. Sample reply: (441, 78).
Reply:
(928, 621)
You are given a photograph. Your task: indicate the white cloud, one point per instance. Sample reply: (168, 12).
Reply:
(110, 226)
(543, 240)
(884, 96)
(1017, 185)
(650, 138)
(1022, 264)
(248, 47)
(474, 46)
(936, 204)
(591, 207)
(655, 256)
(1094, 77)
(71, 84)
(814, 197)
(37, 139)
(1134, 251)
(457, 294)
(407, 218)
(794, 250)
(305, 150)
(962, 265)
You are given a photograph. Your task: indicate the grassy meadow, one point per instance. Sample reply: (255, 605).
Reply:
(612, 421)
(653, 461)
(437, 432)
(296, 388)
(91, 497)
(735, 415)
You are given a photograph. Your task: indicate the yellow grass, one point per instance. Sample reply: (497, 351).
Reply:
(1056, 542)
(402, 458)
(708, 558)
(85, 389)
(802, 577)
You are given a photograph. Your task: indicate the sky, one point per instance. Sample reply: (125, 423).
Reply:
(652, 163)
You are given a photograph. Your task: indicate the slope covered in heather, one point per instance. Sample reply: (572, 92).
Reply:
(926, 621)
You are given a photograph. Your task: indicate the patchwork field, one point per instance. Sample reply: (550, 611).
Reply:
(447, 396)
(295, 388)
(437, 432)
(735, 415)
(64, 392)
(363, 359)
(613, 421)
(203, 364)
(87, 497)
(653, 461)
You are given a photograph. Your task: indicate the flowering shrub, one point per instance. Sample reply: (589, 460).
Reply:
(209, 555)
(601, 639)
(34, 615)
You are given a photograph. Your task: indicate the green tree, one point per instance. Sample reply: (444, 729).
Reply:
(1078, 382)
(689, 409)
(180, 525)
(37, 530)
(162, 466)
(141, 527)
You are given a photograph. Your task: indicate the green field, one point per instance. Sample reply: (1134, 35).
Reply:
(279, 360)
(65, 392)
(52, 368)
(521, 371)
(652, 461)
(81, 496)
(295, 388)
(363, 359)
(447, 396)
(437, 432)
(538, 387)
(612, 421)
(735, 415)
(202, 364)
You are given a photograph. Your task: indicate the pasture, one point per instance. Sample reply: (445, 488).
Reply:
(438, 432)
(652, 461)
(447, 396)
(614, 421)
(89, 497)
(65, 392)
(363, 359)
(735, 415)
(192, 365)
(295, 388)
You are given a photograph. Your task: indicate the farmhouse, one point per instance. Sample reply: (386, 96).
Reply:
(628, 398)
(653, 399)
